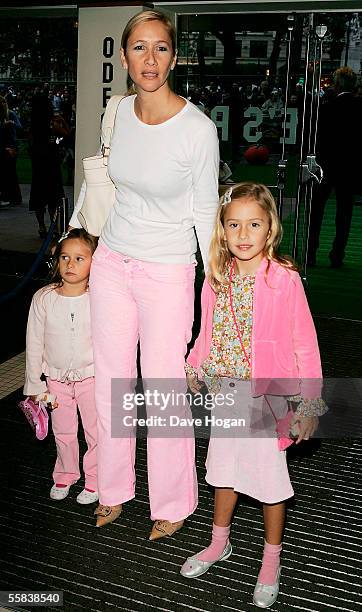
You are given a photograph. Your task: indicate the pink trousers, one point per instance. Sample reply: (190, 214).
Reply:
(134, 301)
(65, 429)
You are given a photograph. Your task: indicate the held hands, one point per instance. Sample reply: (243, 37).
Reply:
(192, 379)
(304, 427)
(193, 383)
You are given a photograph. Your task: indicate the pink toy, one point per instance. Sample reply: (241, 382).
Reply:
(37, 416)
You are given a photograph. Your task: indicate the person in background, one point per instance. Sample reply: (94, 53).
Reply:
(9, 183)
(339, 154)
(46, 189)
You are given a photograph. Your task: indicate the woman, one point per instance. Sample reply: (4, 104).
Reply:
(164, 161)
(9, 183)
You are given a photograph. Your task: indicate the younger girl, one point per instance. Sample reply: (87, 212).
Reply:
(58, 345)
(257, 338)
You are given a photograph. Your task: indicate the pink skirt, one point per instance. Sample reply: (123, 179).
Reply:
(243, 451)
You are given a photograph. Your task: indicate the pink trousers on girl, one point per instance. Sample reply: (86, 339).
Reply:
(65, 429)
(152, 303)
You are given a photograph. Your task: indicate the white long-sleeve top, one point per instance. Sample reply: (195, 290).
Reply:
(166, 179)
(58, 340)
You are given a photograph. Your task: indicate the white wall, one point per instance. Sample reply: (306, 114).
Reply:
(98, 77)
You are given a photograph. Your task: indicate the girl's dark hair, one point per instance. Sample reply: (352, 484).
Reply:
(74, 234)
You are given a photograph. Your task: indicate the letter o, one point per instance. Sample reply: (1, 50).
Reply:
(108, 46)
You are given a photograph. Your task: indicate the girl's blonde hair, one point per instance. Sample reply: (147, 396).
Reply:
(144, 17)
(74, 234)
(219, 255)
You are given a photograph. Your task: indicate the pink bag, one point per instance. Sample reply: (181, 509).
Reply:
(37, 416)
(284, 430)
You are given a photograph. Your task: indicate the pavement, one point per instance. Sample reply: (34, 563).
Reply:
(18, 226)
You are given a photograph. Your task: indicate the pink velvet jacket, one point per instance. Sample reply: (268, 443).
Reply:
(284, 348)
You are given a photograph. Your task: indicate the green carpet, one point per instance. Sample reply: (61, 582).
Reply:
(338, 291)
(332, 292)
(335, 292)
(23, 167)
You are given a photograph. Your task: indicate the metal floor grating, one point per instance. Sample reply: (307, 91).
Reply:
(49, 545)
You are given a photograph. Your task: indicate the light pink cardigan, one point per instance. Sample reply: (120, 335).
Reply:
(58, 340)
(285, 354)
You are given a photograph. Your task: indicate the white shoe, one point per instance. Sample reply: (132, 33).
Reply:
(87, 497)
(266, 594)
(59, 493)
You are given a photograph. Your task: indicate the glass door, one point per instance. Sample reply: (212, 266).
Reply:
(262, 78)
(245, 72)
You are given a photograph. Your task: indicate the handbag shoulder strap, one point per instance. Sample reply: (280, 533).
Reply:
(108, 123)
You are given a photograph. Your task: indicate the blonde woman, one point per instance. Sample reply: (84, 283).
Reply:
(257, 342)
(164, 161)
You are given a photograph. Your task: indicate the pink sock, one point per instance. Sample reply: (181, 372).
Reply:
(59, 485)
(270, 563)
(220, 537)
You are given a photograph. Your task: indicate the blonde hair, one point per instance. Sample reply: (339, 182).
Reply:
(144, 17)
(219, 255)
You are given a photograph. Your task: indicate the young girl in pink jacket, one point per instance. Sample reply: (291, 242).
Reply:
(258, 344)
(59, 361)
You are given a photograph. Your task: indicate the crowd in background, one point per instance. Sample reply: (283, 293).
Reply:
(32, 120)
(17, 129)
(19, 99)
(269, 97)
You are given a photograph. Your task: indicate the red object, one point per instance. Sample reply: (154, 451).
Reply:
(257, 154)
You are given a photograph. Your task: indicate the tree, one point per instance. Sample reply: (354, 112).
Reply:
(201, 56)
(36, 49)
(225, 32)
(336, 35)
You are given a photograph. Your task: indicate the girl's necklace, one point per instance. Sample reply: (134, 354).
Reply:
(234, 315)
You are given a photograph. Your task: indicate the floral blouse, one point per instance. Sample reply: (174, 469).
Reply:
(226, 355)
(227, 358)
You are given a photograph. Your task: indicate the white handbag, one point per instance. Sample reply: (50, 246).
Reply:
(100, 193)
